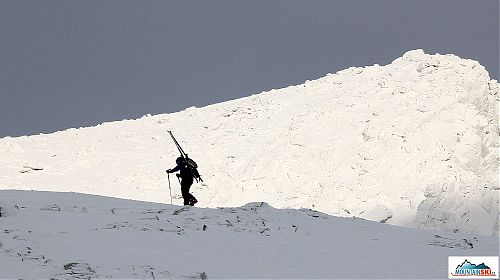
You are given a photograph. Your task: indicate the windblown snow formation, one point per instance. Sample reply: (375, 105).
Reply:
(412, 143)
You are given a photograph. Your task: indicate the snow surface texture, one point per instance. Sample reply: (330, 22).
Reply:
(48, 235)
(413, 143)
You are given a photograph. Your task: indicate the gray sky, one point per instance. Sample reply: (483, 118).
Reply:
(79, 63)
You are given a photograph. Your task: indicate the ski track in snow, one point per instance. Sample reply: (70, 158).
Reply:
(77, 236)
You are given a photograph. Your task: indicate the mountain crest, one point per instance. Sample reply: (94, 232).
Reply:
(412, 143)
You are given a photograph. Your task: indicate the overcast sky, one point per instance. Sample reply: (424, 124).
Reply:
(79, 63)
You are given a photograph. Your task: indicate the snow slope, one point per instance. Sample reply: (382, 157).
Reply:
(412, 143)
(48, 235)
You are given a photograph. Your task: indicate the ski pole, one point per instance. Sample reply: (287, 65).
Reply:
(168, 176)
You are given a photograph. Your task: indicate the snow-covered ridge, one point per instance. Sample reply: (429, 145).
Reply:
(48, 235)
(412, 143)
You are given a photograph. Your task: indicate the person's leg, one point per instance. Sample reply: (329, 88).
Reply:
(192, 199)
(185, 193)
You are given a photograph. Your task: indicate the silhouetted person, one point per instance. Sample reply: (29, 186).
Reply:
(187, 177)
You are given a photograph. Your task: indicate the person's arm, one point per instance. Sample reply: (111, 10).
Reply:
(175, 169)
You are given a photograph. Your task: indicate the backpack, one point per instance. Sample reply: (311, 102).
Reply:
(193, 167)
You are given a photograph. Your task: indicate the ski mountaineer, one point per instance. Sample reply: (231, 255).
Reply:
(187, 177)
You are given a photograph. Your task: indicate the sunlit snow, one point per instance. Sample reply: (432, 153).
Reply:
(413, 144)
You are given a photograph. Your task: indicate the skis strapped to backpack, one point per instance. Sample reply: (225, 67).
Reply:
(191, 164)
